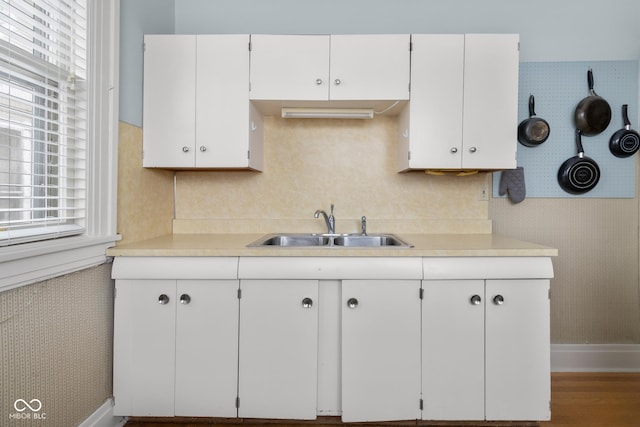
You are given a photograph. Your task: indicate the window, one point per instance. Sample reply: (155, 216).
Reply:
(43, 119)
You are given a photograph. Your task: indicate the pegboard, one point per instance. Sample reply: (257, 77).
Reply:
(558, 87)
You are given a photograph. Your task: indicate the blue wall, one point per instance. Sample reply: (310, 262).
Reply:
(550, 30)
(138, 17)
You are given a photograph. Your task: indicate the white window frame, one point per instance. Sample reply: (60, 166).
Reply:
(31, 262)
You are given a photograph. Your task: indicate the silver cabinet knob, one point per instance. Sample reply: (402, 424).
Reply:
(307, 303)
(203, 148)
(163, 299)
(318, 81)
(473, 149)
(475, 300)
(498, 300)
(185, 299)
(352, 303)
(185, 149)
(454, 150)
(337, 82)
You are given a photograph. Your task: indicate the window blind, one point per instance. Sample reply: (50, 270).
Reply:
(43, 119)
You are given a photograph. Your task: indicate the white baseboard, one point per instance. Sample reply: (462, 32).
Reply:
(103, 417)
(595, 357)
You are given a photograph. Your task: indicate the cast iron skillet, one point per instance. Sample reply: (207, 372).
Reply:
(593, 113)
(579, 174)
(626, 141)
(534, 130)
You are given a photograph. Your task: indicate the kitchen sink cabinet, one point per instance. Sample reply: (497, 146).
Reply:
(330, 67)
(166, 335)
(196, 110)
(380, 350)
(364, 338)
(278, 349)
(496, 366)
(463, 112)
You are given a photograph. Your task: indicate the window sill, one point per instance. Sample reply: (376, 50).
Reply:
(29, 263)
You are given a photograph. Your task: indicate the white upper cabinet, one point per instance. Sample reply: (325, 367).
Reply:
(169, 109)
(324, 68)
(289, 67)
(197, 112)
(463, 112)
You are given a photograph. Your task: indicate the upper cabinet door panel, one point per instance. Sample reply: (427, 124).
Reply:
(437, 70)
(222, 131)
(491, 100)
(289, 67)
(370, 67)
(169, 116)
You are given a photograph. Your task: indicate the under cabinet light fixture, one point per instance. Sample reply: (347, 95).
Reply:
(327, 113)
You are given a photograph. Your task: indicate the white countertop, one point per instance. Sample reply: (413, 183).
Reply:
(424, 245)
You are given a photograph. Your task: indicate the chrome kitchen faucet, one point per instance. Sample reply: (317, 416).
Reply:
(330, 220)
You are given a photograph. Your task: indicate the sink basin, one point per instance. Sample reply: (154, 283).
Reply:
(374, 240)
(331, 241)
(292, 240)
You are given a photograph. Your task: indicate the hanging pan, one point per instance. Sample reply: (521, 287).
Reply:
(626, 141)
(534, 130)
(579, 174)
(593, 113)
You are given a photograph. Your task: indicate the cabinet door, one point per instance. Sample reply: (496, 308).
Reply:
(490, 127)
(517, 350)
(292, 67)
(206, 348)
(380, 350)
(144, 344)
(278, 349)
(222, 102)
(370, 67)
(169, 113)
(431, 130)
(464, 103)
(453, 350)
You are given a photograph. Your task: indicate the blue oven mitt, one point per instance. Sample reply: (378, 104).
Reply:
(512, 184)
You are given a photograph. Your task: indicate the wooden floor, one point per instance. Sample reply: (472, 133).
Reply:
(577, 399)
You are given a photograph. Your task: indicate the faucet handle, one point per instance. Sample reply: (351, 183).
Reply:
(363, 225)
(331, 209)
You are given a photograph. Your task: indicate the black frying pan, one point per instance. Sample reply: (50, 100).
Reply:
(626, 141)
(534, 130)
(578, 174)
(593, 113)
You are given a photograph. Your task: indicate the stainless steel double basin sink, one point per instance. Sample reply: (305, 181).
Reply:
(331, 240)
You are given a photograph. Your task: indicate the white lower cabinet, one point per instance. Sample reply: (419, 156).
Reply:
(453, 350)
(175, 347)
(206, 348)
(278, 349)
(380, 350)
(517, 354)
(392, 338)
(496, 364)
(144, 347)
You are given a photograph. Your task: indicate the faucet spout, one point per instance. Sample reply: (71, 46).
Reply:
(330, 220)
